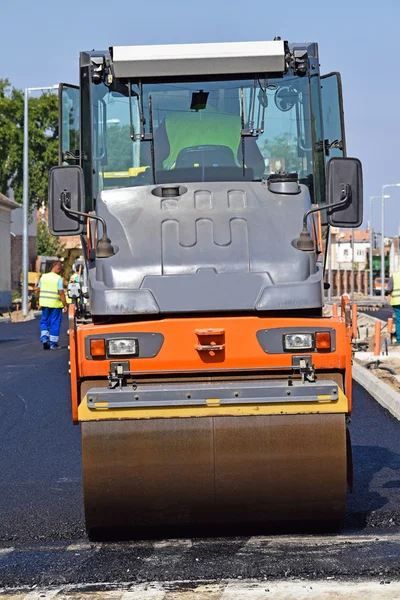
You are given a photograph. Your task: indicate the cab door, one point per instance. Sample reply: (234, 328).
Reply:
(333, 116)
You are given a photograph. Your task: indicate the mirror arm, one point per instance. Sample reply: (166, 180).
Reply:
(305, 242)
(104, 247)
(65, 208)
(345, 196)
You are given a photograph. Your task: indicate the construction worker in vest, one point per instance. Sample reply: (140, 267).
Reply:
(53, 303)
(74, 278)
(393, 291)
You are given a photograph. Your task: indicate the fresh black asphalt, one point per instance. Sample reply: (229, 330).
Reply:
(41, 507)
(383, 313)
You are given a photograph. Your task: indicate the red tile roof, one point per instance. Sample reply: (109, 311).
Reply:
(344, 235)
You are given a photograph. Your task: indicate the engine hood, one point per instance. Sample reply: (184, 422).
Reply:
(217, 247)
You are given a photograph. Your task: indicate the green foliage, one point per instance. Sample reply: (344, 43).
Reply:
(43, 142)
(284, 146)
(47, 244)
(10, 102)
(119, 148)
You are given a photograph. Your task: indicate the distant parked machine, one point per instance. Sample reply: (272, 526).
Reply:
(378, 285)
(43, 264)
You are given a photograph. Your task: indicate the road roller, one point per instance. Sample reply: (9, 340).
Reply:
(210, 383)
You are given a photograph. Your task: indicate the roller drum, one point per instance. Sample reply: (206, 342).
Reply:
(191, 471)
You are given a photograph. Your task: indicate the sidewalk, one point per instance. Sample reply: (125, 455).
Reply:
(384, 393)
(31, 315)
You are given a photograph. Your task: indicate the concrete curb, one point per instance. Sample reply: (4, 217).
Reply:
(382, 392)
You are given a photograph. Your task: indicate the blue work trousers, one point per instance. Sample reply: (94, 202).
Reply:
(396, 314)
(50, 325)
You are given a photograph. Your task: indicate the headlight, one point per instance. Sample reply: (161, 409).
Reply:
(122, 347)
(298, 341)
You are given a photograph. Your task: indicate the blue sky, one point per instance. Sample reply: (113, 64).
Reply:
(42, 40)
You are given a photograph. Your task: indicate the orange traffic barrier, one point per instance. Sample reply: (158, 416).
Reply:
(377, 339)
(346, 311)
(390, 326)
(354, 320)
(334, 310)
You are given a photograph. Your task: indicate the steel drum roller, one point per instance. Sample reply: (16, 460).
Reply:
(188, 471)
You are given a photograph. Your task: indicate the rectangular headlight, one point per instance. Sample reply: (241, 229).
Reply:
(298, 341)
(122, 347)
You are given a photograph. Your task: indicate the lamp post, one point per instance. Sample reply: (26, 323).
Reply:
(25, 204)
(383, 236)
(371, 242)
(352, 265)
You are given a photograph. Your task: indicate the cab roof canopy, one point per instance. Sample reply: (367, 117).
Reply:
(180, 60)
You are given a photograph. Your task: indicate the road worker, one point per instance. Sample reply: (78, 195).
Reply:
(393, 291)
(74, 278)
(53, 303)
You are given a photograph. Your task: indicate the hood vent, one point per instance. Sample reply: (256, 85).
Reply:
(284, 183)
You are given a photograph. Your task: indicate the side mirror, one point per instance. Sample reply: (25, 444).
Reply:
(344, 178)
(66, 188)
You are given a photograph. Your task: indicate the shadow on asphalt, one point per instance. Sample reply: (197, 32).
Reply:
(371, 465)
(392, 485)
(213, 531)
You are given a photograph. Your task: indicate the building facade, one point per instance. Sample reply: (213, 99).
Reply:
(16, 246)
(342, 251)
(6, 208)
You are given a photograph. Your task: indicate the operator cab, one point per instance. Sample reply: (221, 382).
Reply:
(201, 162)
(165, 126)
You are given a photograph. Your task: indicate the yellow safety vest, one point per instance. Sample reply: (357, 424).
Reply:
(49, 296)
(395, 295)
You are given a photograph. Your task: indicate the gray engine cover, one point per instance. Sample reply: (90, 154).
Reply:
(218, 247)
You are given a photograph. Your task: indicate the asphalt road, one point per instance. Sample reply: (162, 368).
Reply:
(42, 535)
(382, 313)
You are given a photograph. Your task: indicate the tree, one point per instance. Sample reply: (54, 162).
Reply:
(119, 148)
(47, 244)
(10, 99)
(284, 146)
(43, 142)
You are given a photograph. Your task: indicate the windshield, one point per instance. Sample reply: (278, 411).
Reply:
(227, 130)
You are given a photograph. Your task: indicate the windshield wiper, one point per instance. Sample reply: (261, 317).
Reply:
(143, 136)
(131, 127)
(151, 138)
(242, 135)
(251, 130)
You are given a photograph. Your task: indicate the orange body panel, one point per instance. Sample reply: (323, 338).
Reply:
(73, 361)
(354, 320)
(239, 348)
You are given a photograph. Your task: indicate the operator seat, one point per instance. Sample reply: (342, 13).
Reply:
(205, 156)
(252, 155)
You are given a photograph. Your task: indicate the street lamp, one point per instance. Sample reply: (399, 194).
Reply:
(371, 240)
(383, 236)
(25, 208)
